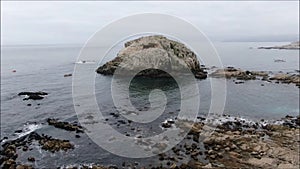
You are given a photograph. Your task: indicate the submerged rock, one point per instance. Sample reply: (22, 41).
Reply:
(158, 52)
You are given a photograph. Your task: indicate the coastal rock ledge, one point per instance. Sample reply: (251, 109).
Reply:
(161, 54)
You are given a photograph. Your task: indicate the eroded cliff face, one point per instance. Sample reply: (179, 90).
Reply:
(154, 55)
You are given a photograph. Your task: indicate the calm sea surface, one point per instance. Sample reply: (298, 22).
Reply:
(42, 68)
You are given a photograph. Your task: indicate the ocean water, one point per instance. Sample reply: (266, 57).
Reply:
(42, 68)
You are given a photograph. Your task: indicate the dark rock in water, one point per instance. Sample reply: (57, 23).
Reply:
(54, 145)
(239, 82)
(46, 142)
(65, 125)
(121, 121)
(9, 164)
(166, 125)
(25, 148)
(28, 104)
(4, 138)
(18, 131)
(31, 159)
(162, 54)
(33, 95)
(68, 75)
(8, 152)
(115, 115)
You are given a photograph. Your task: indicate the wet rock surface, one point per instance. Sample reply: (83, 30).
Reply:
(240, 145)
(243, 75)
(9, 148)
(235, 143)
(68, 75)
(158, 51)
(287, 78)
(231, 72)
(33, 95)
(65, 125)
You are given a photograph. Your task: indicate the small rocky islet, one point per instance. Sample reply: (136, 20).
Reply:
(158, 53)
(33, 95)
(239, 74)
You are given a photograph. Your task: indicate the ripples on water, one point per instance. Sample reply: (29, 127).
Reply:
(43, 69)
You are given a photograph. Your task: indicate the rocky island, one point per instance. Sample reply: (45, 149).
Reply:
(294, 45)
(239, 74)
(157, 51)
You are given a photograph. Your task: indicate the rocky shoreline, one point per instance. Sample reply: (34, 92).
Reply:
(294, 45)
(9, 154)
(239, 74)
(235, 143)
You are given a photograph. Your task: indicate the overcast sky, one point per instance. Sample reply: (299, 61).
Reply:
(74, 22)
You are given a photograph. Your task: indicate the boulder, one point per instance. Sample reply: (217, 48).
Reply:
(33, 95)
(154, 55)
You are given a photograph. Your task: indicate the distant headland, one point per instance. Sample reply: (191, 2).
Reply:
(293, 45)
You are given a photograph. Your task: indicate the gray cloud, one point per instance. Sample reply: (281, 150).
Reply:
(74, 22)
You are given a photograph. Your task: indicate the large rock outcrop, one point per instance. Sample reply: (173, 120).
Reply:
(158, 52)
